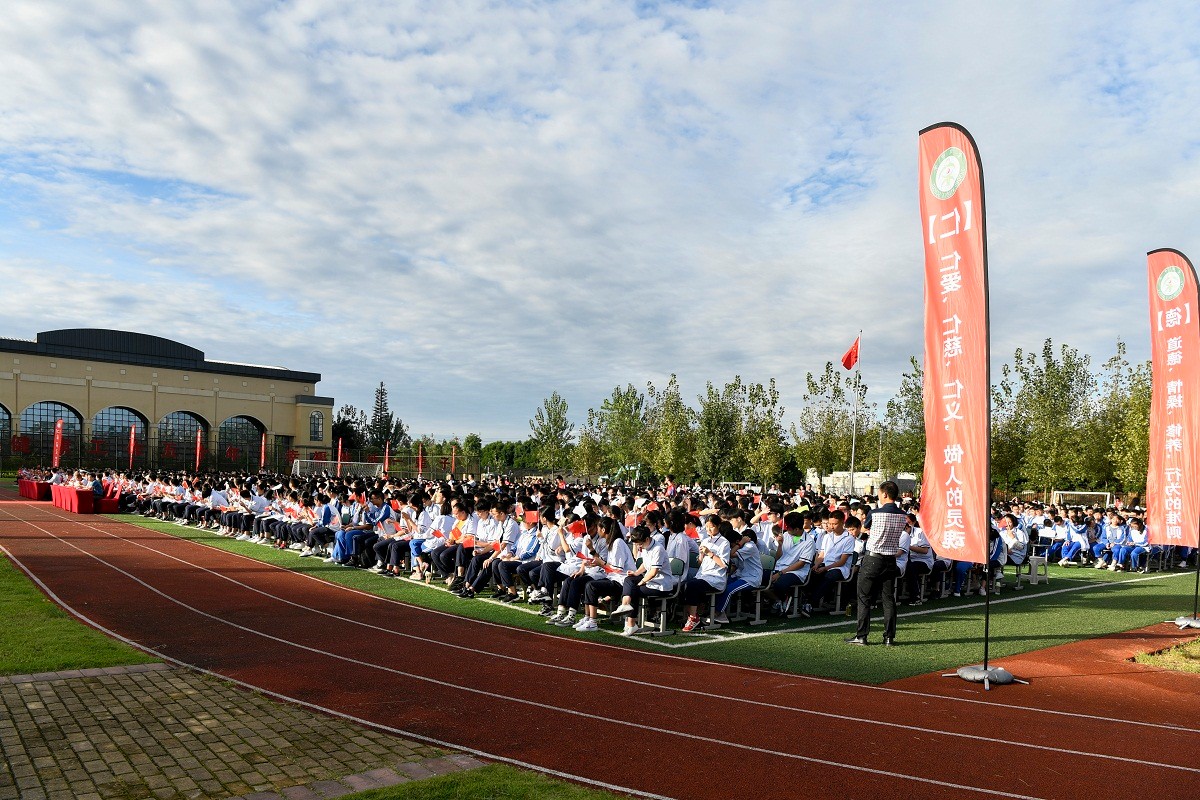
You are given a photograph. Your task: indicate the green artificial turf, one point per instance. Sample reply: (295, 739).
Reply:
(936, 636)
(494, 782)
(38, 636)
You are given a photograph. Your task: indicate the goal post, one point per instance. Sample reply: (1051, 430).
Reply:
(353, 469)
(1061, 498)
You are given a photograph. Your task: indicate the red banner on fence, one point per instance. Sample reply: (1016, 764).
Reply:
(955, 490)
(387, 452)
(262, 453)
(58, 444)
(132, 443)
(1172, 492)
(339, 458)
(198, 431)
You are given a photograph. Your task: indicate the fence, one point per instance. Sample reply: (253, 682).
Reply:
(85, 450)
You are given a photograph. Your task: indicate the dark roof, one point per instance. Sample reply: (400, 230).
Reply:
(140, 349)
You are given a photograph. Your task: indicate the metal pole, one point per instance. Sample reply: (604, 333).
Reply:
(987, 608)
(854, 432)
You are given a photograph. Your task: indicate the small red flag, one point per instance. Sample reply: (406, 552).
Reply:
(851, 357)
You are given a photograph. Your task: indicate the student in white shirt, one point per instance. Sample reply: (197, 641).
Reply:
(832, 562)
(713, 572)
(618, 563)
(920, 561)
(652, 579)
(794, 552)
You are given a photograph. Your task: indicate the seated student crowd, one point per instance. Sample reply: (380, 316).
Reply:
(582, 549)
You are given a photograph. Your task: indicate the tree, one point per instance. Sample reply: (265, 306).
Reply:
(761, 443)
(821, 437)
(904, 428)
(552, 432)
(384, 428)
(588, 456)
(350, 426)
(622, 424)
(670, 432)
(718, 429)
(1130, 451)
(1053, 400)
(472, 445)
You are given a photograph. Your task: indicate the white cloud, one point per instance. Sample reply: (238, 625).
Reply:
(479, 203)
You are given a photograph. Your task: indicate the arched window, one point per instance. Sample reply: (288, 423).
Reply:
(316, 426)
(37, 431)
(110, 434)
(238, 440)
(177, 438)
(6, 432)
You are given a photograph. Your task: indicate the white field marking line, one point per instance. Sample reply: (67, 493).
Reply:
(332, 712)
(946, 610)
(619, 679)
(708, 741)
(844, 685)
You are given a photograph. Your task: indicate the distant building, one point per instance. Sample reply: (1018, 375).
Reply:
(103, 382)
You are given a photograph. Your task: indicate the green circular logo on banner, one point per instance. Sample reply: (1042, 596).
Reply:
(949, 171)
(1170, 283)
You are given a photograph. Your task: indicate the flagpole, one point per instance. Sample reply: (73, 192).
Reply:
(854, 429)
(854, 434)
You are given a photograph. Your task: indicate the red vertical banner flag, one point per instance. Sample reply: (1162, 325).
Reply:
(1172, 488)
(955, 489)
(132, 443)
(198, 432)
(420, 458)
(339, 458)
(453, 456)
(262, 453)
(58, 444)
(387, 452)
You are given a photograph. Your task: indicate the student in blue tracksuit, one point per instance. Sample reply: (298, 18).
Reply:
(1138, 547)
(997, 555)
(1114, 537)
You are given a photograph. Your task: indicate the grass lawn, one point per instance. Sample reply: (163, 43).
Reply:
(38, 636)
(939, 635)
(1184, 658)
(494, 782)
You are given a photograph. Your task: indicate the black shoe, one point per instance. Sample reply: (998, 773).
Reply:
(499, 595)
(509, 598)
(466, 594)
(547, 610)
(889, 642)
(857, 641)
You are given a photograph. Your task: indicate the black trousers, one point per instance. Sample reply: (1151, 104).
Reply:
(877, 579)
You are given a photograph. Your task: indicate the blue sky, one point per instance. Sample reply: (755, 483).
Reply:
(480, 203)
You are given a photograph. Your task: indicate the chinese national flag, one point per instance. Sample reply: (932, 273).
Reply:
(851, 357)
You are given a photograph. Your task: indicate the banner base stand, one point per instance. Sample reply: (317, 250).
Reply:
(987, 676)
(1187, 622)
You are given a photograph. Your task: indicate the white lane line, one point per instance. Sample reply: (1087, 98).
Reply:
(946, 610)
(707, 741)
(636, 682)
(324, 709)
(844, 685)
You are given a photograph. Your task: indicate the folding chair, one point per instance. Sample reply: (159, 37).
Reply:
(678, 570)
(839, 601)
(768, 565)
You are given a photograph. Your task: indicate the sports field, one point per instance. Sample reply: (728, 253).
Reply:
(569, 702)
(1076, 604)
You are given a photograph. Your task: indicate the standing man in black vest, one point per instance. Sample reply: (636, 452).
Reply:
(877, 573)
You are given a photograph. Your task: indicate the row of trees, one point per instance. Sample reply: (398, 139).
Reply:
(1057, 423)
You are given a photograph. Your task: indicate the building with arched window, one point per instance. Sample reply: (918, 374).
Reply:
(114, 389)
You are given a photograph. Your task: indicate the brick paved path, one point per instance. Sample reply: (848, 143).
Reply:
(150, 731)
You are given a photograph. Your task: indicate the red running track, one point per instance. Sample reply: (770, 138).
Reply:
(643, 723)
